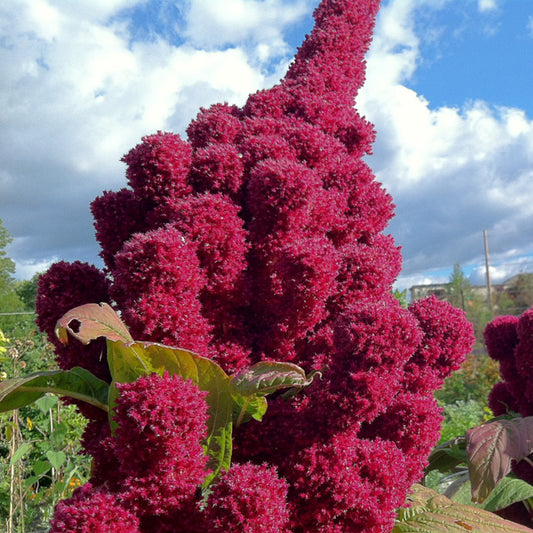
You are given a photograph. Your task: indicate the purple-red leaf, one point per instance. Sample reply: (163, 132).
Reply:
(90, 321)
(490, 448)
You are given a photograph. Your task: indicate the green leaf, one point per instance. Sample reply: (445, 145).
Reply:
(128, 362)
(41, 467)
(430, 512)
(251, 385)
(446, 456)
(46, 403)
(29, 481)
(491, 447)
(507, 492)
(57, 459)
(59, 433)
(90, 321)
(77, 383)
(267, 377)
(22, 450)
(247, 407)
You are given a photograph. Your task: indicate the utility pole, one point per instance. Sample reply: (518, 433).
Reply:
(487, 267)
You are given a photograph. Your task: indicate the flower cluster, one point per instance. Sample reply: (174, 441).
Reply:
(261, 238)
(509, 340)
(150, 469)
(502, 339)
(248, 499)
(65, 286)
(92, 511)
(157, 444)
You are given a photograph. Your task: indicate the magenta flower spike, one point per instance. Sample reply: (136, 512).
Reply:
(260, 237)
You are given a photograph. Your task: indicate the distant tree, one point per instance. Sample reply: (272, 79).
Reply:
(504, 303)
(7, 265)
(459, 288)
(523, 292)
(401, 296)
(9, 299)
(27, 291)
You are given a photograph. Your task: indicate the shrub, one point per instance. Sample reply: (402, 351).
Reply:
(473, 381)
(460, 416)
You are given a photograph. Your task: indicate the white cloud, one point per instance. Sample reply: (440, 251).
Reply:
(213, 24)
(79, 88)
(530, 25)
(487, 5)
(394, 52)
(451, 171)
(77, 92)
(93, 10)
(503, 270)
(27, 268)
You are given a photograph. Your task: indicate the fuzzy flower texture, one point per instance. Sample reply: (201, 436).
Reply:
(509, 340)
(261, 237)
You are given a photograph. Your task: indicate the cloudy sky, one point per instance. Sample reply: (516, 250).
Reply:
(449, 85)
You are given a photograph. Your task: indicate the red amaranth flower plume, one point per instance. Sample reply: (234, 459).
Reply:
(63, 287)
(158, 167)
(248, 499)
(92, 510)
(448, 336)
(349, 484)
(501, 337)
(117, 217)
(157, 280)
(509, 340)
(261, 238)
(161, 424)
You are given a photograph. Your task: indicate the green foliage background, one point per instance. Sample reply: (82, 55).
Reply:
(40, 461)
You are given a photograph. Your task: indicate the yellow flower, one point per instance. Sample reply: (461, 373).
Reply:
(3, 340)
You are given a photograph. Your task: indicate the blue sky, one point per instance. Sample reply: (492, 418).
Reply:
(449, 86)
(471, 54)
